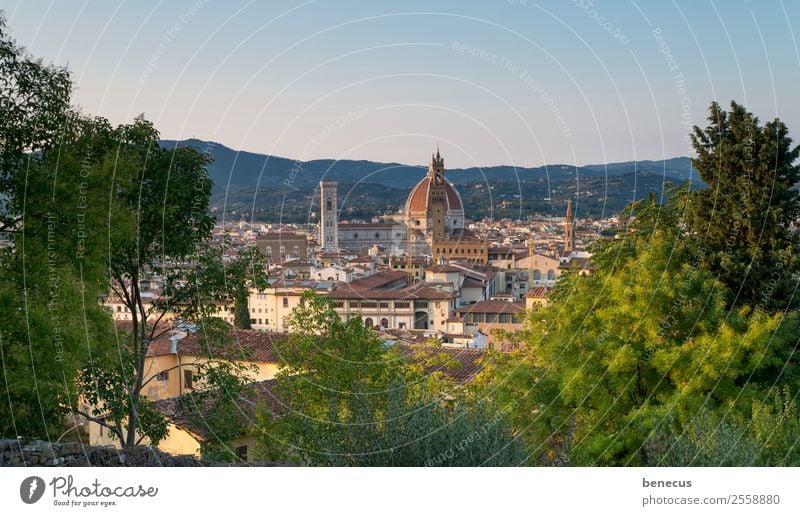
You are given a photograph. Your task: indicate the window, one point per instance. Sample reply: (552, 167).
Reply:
(285, 302)
(283, 251)
(377, 235)
(163, 376)
(368, 322)
(296, 250)
(551, 274)
(402, 326)
(329, 204)
(385, 322)
(187, 379)
(355, 235)
(119, 308)
(268, 251)
(252, 321)
(259, 321)
(241, 453)
(537, 274)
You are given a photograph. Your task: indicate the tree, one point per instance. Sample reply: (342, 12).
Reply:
(34, 107)
(743, 223)
(51, 277)
(648, 337)
(351, 400)
(159, 229)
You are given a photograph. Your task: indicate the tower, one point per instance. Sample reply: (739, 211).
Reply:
(329, 216)
(438, 197)
(569, 229)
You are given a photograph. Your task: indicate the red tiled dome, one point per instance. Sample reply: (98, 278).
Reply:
(418, 198)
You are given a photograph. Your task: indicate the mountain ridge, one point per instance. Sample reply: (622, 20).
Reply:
(256, 183)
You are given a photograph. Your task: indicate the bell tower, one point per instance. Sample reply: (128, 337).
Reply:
(438, 197)
(329, 216)
(569, 229)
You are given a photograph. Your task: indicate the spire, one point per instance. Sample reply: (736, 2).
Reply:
(436, 167)
(569, 229)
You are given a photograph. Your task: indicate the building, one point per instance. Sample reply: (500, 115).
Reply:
(329, 216)
(486, 316)
(280, 246)
(433, 211)
(432, 223)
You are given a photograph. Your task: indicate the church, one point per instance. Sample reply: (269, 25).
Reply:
(432, 223)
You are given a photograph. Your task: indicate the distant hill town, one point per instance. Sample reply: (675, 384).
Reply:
(276, 189)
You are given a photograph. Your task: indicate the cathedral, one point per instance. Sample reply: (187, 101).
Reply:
(432, 223)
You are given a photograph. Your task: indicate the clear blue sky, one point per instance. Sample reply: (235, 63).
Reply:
(557, 81)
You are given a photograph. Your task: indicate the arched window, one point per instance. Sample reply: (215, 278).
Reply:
(537, 274)
(377, 235)
(330, 204)
(385, 322)
(355, 235)
(368, 322)
(551, 274)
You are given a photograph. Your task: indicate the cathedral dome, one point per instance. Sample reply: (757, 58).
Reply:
(419, 197)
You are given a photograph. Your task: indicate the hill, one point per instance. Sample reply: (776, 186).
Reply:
(273, 188)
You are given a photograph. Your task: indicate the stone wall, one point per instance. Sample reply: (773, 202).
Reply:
(41, 453)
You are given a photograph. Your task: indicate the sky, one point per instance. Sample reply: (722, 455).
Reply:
(492, 82)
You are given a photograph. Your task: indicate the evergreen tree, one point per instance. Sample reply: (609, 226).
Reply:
(743, 223)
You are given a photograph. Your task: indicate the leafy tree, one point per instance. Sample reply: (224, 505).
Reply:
(351, 400)
(160, 227)
(742, 223)
(34, 107)
(218, 406)
(648, 336)
(51, 277)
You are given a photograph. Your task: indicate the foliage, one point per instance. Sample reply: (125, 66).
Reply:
(52, 271)
(648, 337)
(351, 400)
(34, 107)
(216, 406)
(742, 223)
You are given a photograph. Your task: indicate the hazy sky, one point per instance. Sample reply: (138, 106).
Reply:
(493, 81)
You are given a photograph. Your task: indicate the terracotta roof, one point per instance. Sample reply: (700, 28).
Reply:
(463, 366)
(444, 268)
(247, 345)
(538, 293)
(494, 306)
(418, 198)
(190, 415)
(378, 280)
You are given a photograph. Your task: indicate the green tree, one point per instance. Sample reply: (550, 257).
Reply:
(351, 400)
(742, 223)
(34, 107)
(648, 336)
(159, 226)
(51, 277)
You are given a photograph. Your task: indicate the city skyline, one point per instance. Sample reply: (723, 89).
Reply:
(512, 82)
